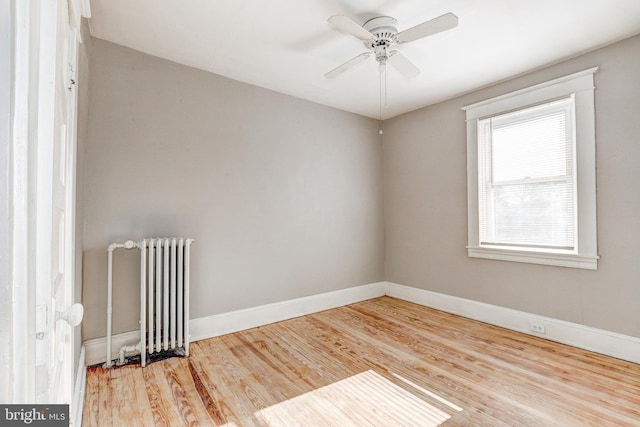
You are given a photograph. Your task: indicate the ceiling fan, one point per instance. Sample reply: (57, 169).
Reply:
(379, 34)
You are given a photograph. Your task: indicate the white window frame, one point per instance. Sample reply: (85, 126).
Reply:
(580, 85)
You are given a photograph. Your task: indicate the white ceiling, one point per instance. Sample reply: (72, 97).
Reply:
(287, 45)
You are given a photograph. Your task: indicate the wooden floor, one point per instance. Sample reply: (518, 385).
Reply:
(383, 362)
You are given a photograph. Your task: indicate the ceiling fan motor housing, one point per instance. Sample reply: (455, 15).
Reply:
(384, 29)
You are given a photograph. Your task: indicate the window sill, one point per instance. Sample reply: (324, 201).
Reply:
(557, 258)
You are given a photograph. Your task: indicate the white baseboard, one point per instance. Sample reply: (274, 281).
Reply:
(96, 348)
(597, 340)
(574, 334)
(226, 323)
(234, 321)
(79, 391)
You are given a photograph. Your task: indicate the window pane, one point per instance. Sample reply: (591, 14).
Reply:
(534, 214)
(531, 148)
(526, 167)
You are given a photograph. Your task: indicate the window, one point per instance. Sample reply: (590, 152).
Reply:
(531, 174)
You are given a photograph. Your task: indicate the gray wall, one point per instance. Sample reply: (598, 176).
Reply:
(426, 213)
(283, 196)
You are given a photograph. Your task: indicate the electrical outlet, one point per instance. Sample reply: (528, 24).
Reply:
(537, 327)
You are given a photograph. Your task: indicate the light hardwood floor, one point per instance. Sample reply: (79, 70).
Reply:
(382, 362)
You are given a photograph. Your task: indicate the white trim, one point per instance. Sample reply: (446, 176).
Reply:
(531, 257)
(592, 339)
(211, 326)
(585, 337)
(6, 283)
(234, 321)
(77, 404)
(86, 9)
(23, 161)
(581, 86)
(564, 84)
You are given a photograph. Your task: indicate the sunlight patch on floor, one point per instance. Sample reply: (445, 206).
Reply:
(362, 399)
(428, 393)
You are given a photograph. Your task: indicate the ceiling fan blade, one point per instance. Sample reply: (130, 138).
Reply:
(347, 65)
(433, 26)
(402, 64)
(346, 25)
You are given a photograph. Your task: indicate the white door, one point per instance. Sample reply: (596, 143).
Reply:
(55, 189)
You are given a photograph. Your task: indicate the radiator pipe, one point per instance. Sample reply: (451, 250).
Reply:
(128, 349)
(129, 244)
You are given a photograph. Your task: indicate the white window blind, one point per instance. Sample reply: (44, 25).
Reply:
(527, 188)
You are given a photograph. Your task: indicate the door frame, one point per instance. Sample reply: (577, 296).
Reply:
(29, 23)
(21, 192)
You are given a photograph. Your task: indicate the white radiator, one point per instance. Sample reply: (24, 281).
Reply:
(164, 296)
